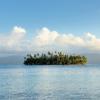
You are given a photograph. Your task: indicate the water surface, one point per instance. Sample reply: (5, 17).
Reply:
(19, 82)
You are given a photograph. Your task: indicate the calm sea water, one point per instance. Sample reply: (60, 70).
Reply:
(19, 82)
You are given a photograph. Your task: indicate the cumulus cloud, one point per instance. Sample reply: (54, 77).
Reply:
(46, 39)
(88, 41)
(13, 40)
(92, 42)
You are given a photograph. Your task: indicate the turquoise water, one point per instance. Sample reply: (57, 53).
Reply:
(19, 82)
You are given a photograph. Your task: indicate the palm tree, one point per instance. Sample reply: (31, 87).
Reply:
(56, 58)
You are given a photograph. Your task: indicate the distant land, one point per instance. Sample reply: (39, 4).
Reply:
(18, 59)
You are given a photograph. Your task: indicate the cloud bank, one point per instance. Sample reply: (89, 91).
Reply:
(46, 39)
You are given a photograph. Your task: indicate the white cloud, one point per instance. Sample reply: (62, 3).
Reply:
(17, 29)
(69, 39)
(88, 41)
(92, 42)
(13, 40)
(47, 39)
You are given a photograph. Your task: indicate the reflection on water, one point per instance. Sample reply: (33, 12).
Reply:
(50, 82)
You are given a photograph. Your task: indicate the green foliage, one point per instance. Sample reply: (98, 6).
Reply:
(57, 58)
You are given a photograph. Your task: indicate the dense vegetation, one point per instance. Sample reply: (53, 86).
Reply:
(57, 58)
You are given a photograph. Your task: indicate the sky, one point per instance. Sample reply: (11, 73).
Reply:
(36, 25)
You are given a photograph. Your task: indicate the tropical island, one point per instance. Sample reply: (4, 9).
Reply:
(56, 58)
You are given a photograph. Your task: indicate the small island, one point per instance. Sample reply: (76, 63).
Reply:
(56, 58)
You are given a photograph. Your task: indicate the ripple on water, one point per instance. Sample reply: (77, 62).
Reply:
(50, 83)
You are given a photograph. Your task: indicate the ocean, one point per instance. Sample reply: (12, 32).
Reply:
(50, 82)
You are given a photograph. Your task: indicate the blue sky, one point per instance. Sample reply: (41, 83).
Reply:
(72, 16)
(47, 23)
